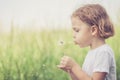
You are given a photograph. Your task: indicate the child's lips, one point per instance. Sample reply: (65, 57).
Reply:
(75, 42)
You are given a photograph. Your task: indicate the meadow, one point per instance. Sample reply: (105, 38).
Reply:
(27, 55)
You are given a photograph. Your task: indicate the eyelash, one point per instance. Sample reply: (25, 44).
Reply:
(76, 30)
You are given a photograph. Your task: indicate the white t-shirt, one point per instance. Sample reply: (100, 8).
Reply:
(101, 59)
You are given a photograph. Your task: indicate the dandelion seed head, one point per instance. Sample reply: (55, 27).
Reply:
(61, 42)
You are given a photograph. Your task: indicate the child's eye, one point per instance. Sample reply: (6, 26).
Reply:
(77, 30)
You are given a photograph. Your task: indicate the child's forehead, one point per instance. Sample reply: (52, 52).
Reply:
(76, 20)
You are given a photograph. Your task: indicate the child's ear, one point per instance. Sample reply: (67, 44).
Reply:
(94, 30)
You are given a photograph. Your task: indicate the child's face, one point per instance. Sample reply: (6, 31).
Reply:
(81, 32)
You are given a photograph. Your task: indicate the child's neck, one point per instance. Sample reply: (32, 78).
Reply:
(96, 43)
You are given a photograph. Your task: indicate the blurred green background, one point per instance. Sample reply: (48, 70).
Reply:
(35, 34)
(26, 55)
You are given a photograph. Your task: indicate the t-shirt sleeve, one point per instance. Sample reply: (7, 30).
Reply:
(102, 62)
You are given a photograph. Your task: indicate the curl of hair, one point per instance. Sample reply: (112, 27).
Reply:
(95, 14)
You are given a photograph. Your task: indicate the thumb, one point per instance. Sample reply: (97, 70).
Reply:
(59, 66)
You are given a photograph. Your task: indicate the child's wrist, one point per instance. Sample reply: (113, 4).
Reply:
(76, 66)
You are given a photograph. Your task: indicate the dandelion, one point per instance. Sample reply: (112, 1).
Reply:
(61, 42)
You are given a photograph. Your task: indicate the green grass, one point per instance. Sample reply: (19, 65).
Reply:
(28, 55)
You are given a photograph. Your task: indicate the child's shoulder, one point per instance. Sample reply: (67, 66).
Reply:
(104, 47)
(103, 50)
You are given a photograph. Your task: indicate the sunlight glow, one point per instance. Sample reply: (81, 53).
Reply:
(45, 13)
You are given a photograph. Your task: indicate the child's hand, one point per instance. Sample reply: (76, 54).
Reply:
(67, 63)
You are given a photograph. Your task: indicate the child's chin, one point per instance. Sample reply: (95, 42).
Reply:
(82, 46)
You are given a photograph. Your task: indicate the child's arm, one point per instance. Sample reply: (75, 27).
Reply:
(81, 75)
(77, 73)
(72, 76)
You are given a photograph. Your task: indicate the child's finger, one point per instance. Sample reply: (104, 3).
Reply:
(60, 66)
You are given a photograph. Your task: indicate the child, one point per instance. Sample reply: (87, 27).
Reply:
(91, 26)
